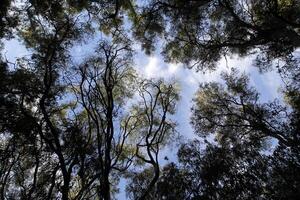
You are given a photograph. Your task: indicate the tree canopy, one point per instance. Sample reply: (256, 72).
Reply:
(74, 128)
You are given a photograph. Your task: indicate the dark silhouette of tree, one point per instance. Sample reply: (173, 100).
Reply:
(201, 32)
(245, 130)
(172, 184)
(238, 107)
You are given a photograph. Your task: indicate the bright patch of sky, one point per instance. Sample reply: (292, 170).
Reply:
(13, 49)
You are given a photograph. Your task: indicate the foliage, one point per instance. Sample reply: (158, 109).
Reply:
(72, 128)
(199, 33)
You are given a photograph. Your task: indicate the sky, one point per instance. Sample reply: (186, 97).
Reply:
(154, 67)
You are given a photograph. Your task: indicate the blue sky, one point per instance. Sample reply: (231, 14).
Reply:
(268, 84)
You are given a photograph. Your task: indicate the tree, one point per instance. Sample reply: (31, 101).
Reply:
(201, 32)
(158, 101)
(243, 127)
(238, 108)
(18, 92)
(172, 184)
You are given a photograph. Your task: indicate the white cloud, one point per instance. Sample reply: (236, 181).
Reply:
(152, 68)
(14, 49)
(156, 68)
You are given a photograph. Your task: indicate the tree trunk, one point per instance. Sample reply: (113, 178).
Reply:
(65, 188)
(105, 188)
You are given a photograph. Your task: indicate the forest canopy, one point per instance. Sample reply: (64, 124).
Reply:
(89, 127)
